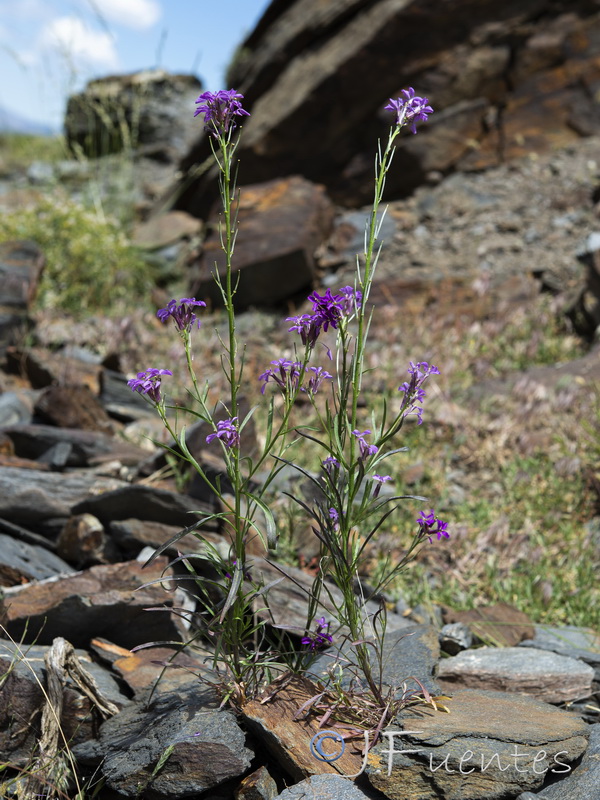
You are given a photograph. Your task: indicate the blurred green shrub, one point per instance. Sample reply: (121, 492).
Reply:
(19, 150)
(91, 264)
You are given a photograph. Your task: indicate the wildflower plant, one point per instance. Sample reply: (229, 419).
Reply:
(351, 505)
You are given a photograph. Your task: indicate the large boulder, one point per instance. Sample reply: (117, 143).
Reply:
(505, 79)
(150, 111)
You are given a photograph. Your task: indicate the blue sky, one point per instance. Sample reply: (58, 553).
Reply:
(50, 48)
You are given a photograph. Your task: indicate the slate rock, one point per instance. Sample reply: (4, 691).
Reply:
(21, 562)
(163, 668)
(25, 535)
(325, 787)
(72, 406)
(143, 502)
(568, 640)
(84, 542)
(281, 224)
(118, 399)
(412, 652)
(583, 781)
(288, 598)
(43, 367)
(537, 673)
(491, 746)
(37, 497)
(21, 266)
(165, 229)
(208, 746)
(584, 307)
(454, 637)
(504, 82)
(106, 600)
(132, 535)
(287, 735)
(259, 785)
(22, 698)
(16, 408)
(86, 447)
(501, 624)
(148, 110)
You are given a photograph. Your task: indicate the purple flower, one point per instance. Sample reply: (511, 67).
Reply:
(414, 394)
(148, 383)
(333, 515)
(317, 379)
(327, 307)
(320, 638)
(380, 480)
(410, 108)
(430, 525)
(426, 520)
(182, 313)
(328, 310)
(352, 299)
(219, 109)
(227, 432)
(329, 463)
(286, 375)
(366, 449)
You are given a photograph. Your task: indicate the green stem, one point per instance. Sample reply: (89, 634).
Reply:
(382, 165)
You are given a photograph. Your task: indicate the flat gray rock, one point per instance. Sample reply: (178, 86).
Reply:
(583, 782)
(16, 407)
(208, 746)
(491, 746)
(325, 787)
(30, 496)
(287, 599)
(20, 561)
(538, 673)
(106, 600)
(142, 502)
(86, 447)
(569, 640)
(409, 653)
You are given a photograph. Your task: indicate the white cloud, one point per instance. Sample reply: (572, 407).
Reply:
(137, 14)
(79, 43)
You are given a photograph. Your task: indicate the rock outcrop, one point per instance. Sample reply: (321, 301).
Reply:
(504, 81)
(147, 111)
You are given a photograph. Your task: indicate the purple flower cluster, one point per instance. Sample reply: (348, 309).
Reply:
(182, 314)
(328, 310)
(430, 525)
(410, 108)
(286, 374)
(148, 383)
(414, 394)
(219, 109)
(320, 638)
(227, 431)
(317, 379)
(366, 449)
